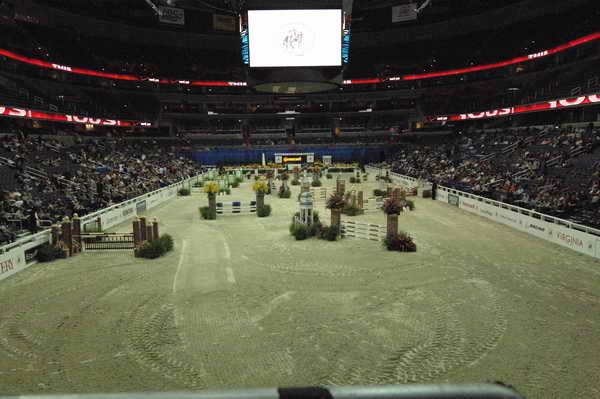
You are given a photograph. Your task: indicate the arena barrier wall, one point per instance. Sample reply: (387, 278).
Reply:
(236, 208)
(578, 237)
(22, 253)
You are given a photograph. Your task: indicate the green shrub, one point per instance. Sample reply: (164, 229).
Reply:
(167, 242)
(330, 233)
(295, 182)
(263, 211)
(315, 229)
(399, 242)
(184, 192)
(329, 176)
(48, 252)
(235, 184)
(300, 232)
(284, 192)
(411, 204)
(351, 210)
(256, 177)
(152, 250)
(316, 183)
(208, 213)
(379, 193)
(239, 180)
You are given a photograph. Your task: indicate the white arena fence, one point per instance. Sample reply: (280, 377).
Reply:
(236, 208)
(366, 231)
(22, 253)
(575, 236)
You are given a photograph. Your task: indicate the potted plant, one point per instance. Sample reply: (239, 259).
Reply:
(336, 203)
(392, 208)
(260, 188)
(212, 189)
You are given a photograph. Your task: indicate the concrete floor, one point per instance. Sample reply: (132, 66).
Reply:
(239, 303)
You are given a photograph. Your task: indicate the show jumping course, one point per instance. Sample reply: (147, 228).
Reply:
(239, 302)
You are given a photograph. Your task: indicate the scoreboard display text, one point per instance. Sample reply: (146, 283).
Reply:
(294, 158)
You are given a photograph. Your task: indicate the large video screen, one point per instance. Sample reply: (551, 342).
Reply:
(295, 38)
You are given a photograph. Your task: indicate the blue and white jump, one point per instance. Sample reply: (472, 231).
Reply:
(236, 208)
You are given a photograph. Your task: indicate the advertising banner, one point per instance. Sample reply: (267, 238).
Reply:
(171, 15)
(559, 234)
(225, 23)
(12, 262)
(404, 12)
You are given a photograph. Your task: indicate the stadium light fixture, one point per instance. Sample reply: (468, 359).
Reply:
(154, 7)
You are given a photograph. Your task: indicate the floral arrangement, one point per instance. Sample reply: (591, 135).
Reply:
(283, 176)
(393, 206)
(336, 201)
(260, 186)
(211, 188)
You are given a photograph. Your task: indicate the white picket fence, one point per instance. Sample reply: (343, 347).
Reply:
(365, 231)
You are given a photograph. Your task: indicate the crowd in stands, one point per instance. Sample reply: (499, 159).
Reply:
(554, 171)
(44, 180)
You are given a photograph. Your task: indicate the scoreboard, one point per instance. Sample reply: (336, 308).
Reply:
(294, 158)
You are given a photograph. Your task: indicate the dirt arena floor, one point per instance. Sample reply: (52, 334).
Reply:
(239, 303)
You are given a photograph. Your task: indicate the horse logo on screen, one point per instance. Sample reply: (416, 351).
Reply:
(296, 40)
(292, 41)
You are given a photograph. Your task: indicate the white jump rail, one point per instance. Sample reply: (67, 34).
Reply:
(365, 231)
(319, 194)
(236, 208)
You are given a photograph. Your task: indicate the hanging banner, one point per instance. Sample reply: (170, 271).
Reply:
(171, 15)
(404, 12)
(225, 23)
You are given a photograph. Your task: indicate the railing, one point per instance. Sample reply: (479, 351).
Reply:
(92, 217)
(524, 211)
(503, 205)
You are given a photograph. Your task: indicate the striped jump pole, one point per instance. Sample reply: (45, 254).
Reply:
(236, 208)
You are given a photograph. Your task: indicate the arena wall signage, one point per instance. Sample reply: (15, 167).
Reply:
(590, 99)
(460, 71)
(13, 112)
(560, 234)
(550, 229)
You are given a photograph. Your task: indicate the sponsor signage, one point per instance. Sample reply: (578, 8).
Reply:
(174, 16)
(12, 262)
(171, 15)
(453, 199)
(83, 120)
(294, 158)
(519, 109)
(562, 235)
